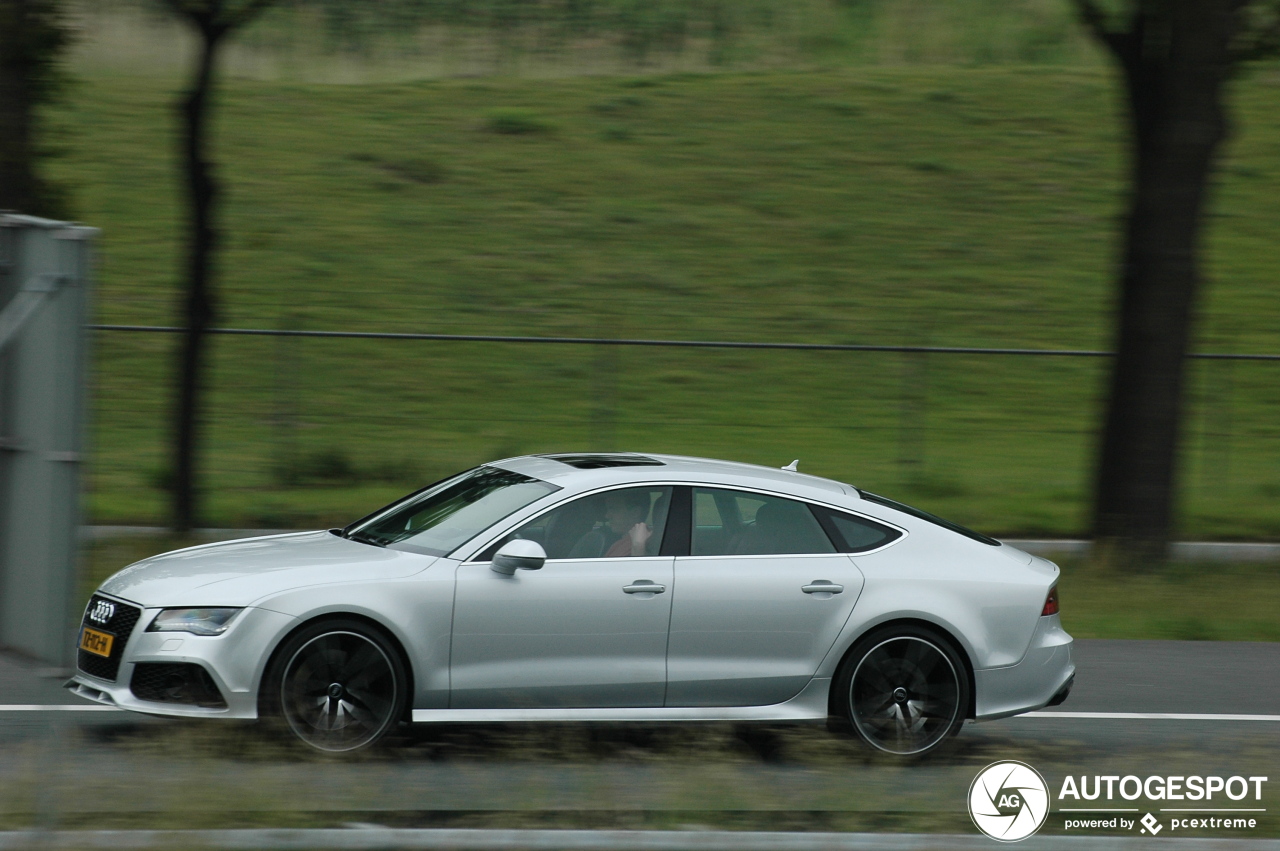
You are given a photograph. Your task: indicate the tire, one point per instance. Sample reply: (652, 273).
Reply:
(337, 685)
(903, 690)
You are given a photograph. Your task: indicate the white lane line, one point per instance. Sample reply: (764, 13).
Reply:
(1150, 716)
(56, 707)
(1118, 716)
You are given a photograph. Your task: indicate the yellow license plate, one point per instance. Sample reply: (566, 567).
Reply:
(98, 643)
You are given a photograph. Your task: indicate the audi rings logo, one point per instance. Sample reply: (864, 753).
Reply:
(1008, 801)
(102, 611)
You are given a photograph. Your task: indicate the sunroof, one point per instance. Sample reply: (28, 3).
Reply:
(600, 460)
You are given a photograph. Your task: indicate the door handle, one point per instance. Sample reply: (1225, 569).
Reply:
(644, 586)
(821, 586)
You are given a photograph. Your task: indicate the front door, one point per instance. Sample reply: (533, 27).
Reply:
(588, 630)
(759, 601)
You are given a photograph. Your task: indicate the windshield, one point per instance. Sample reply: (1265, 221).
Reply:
(443, 517)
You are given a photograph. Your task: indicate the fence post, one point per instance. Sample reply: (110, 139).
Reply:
(912, 410)
(1228, 394)
(286, 402)
(604, 414)
(1216, 472)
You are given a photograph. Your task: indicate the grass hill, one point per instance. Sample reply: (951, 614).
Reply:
(930, 205)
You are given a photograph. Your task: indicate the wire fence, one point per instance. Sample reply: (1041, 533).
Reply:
(309, 426)
(688, 344)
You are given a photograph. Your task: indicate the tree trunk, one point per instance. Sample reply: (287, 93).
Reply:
(1175, 66)
(17, 178)
(32, 36)
(199, 304)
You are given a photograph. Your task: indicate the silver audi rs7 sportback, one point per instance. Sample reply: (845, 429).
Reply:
(593, 587)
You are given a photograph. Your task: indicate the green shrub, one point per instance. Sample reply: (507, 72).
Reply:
(324, 466)
(512, 121)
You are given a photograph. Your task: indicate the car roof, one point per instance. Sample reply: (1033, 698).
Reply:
(582, 471)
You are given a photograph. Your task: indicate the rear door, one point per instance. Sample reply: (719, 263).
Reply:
(759, 600)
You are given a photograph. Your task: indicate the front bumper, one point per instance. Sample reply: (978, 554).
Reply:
(1044, 675)
(233, 660)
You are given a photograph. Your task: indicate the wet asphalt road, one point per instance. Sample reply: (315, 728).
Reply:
(1219, 677)
(78, 768)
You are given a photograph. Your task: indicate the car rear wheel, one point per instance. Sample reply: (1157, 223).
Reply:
(903, 690)
(338, 686)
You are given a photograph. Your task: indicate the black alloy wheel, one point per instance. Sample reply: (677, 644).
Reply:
(339, 686)
(904, 691)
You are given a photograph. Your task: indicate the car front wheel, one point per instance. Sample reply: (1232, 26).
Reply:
(903, 690)
(338, 685)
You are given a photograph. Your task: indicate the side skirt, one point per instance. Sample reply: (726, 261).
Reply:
(809, 705)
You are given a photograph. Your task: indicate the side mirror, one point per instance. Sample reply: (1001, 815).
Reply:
(518, 555)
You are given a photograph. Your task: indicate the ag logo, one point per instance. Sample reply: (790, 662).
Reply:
(1008, 801)
(102, 611)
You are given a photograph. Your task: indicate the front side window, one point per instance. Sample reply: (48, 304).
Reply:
(727, 522)
(614, 524)
(443, 517)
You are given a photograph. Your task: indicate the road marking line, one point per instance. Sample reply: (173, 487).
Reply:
(56, 707)
(1117, 716)
(1153, 716)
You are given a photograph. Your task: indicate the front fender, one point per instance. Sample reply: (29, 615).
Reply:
(417, 611)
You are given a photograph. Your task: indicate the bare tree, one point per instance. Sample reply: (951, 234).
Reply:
(33, 35)
(1176, 58)
(214, 22)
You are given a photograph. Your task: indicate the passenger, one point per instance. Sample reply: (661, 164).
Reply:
(624, 516)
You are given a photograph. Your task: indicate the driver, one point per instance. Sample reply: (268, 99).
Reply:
(624, 516)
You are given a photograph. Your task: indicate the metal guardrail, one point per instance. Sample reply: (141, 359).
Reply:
(44, 296)
(692, 344)
(407, 839)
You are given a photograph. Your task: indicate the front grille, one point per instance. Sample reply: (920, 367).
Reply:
(113, 617)
(175, 682)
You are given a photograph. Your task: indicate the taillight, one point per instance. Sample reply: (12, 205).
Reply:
(1050, 603)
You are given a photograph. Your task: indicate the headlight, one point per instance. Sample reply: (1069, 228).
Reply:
(197, 621)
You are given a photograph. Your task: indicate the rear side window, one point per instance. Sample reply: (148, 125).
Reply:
(924, 515)
(855, 534)
(727, 522)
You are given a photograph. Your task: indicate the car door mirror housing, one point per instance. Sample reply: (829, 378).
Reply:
(519, 554)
